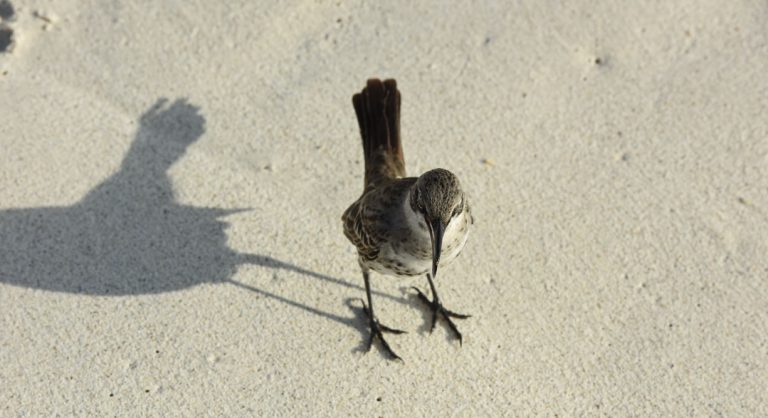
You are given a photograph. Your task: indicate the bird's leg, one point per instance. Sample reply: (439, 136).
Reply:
(377, 329)
(438, 308)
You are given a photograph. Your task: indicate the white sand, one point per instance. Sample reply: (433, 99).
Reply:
(617, 266)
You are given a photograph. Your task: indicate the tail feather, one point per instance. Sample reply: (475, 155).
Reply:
(378, 114)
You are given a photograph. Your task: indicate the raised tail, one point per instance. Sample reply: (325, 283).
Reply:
(378, 114)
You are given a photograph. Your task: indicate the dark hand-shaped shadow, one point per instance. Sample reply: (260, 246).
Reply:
(129, 236)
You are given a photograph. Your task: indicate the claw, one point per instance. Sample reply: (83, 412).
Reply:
(378, 330)
(388, 349)
(438, 308)
(385, 328)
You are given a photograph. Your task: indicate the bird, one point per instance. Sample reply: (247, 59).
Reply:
(402, 226)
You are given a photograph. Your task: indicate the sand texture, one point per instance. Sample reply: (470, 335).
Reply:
(172, 176)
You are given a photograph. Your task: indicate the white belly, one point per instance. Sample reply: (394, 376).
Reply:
(414, 255)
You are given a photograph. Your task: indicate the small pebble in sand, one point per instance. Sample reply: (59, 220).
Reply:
(488, 162)
(41, 16)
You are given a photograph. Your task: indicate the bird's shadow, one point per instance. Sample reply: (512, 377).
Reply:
(129, 235)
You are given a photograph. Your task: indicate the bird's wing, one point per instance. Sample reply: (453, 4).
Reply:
(359, 229)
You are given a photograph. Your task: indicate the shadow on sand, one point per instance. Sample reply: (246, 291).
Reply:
(128, 236)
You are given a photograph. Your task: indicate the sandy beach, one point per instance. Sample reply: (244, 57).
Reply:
(172, 176)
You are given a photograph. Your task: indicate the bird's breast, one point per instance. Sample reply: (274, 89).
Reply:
(409, 250)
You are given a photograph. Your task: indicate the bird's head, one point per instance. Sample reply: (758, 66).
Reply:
(437, 196)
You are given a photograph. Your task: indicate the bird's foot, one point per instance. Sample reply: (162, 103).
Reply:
(438, 308)
(377, 331)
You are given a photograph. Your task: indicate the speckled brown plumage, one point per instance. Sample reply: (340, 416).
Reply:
(368, 222)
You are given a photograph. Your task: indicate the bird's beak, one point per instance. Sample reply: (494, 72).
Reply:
(436, 230)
